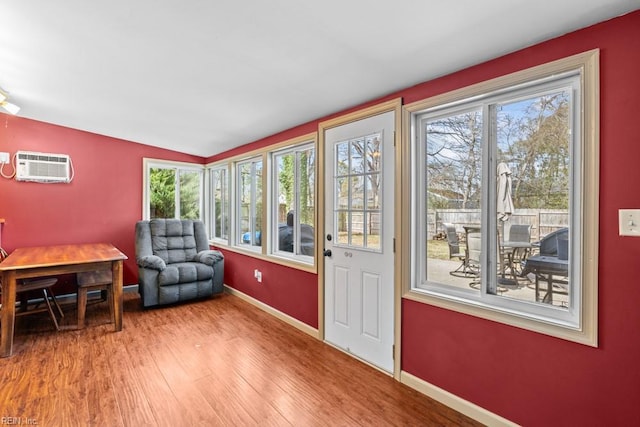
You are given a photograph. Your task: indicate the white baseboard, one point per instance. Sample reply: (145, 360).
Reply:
(280, 315)
(451, 400)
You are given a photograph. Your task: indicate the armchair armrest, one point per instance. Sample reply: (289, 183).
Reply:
(151, 261)
(209, 257)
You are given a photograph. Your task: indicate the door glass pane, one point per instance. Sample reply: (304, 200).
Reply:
(374, 153)
(373, 190)
(357, 155)
(533, 203)
(373, 230)
(342, 193)
(342, 158)
(452, 197)
(358, 192)
(357, 229)
(342, 227)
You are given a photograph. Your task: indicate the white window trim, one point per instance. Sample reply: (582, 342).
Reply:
(149, 163)
(586, 331)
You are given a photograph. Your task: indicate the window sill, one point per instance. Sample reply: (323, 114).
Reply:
(287, 262)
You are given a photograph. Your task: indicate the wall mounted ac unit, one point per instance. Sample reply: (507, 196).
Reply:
(42, 167)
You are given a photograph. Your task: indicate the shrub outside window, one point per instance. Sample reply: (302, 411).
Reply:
(172, 190)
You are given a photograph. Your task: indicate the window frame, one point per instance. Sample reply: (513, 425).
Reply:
(264, 153)
(582, 328)
(151, 163)
(294, 149)
(215, 236)
(253, 218)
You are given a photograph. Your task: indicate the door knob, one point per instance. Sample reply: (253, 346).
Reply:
(327, 252)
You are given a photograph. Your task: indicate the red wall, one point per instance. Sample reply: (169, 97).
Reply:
(288, 290)
(529, 378)
(101, 204)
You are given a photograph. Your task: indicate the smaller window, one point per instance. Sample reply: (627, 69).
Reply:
(219, 203)
(293, 203)
(172, 190)
(249, 203)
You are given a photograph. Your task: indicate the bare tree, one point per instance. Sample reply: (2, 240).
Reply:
(535, 142)
(453, 145)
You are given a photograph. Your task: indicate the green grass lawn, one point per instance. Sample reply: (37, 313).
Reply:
(437, 249)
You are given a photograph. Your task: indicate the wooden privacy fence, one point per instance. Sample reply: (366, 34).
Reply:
(542, 221)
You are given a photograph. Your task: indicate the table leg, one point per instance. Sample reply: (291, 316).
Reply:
(117, 299)
(548, 297)
(8, 312)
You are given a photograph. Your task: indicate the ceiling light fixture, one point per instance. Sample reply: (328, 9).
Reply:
(6, 105)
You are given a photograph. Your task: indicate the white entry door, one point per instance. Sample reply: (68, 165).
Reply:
(358, 240)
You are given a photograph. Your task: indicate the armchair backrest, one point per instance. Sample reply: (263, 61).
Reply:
(173, 240)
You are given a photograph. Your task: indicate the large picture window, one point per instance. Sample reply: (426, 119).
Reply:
(293, 203)
(172, 190)
(502, 216)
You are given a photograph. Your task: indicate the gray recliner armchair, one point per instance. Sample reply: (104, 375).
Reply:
(175, 262)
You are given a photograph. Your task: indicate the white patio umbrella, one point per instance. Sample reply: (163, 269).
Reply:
(505, 203)
(504, 208)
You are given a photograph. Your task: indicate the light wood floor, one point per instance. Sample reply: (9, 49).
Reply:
(214, 362)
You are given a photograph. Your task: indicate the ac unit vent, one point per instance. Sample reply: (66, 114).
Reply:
(42, 167)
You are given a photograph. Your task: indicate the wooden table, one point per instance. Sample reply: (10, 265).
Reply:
(55, 260)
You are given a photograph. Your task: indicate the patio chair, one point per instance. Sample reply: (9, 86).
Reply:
(454, 249)
(516, 257)
(474, 248)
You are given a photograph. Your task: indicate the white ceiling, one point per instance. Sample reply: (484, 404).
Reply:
(204, 76)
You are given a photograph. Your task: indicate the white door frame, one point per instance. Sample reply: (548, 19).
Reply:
(394, 105)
